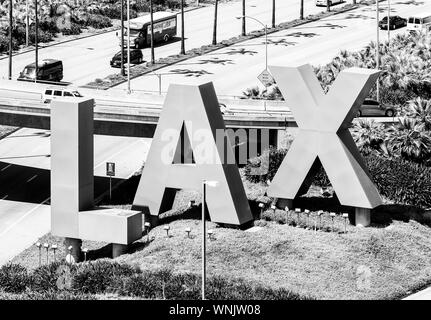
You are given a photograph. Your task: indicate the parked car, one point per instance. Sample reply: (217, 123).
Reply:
(136, 57)
(420, 23)
(47, 70)
(395, 22)
(54, 93)
(372, 108)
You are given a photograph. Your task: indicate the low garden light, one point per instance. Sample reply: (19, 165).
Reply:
(273, 207)
(39, 246)
(261, 206)
(191, 203)
(332, 214)
(307, 213)
(345, 216)
(69, 257)
(46, 246)
(210, 234)
(85, 251)
(188, 230)
(54, 248)
(147, 226)
(167, 228)
(320, 213)
(286, 208)
(298, 213)
(268, 182)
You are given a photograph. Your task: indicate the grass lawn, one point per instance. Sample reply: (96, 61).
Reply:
(389, 260)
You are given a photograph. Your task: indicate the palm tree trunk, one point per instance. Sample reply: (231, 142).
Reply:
(301, 10)
(215, 23)
(328, 6)
(243, 18)
(183, 50)
(273, 13)
(152, 32)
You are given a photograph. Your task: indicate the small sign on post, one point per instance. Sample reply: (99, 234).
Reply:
(266, 78)
(110, 172)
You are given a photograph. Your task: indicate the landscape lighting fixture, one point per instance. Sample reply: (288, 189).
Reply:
(345, 216)
(167, 230)
(54, 248)
(210, 234)
(188, 230)
(85, 250)
(39, 246)
(46, 246)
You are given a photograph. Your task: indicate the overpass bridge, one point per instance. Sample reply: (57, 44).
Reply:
(120, 114)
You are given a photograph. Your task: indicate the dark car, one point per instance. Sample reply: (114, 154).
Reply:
(48, 70)
(372, 108)
(395, 22)
(136, 57)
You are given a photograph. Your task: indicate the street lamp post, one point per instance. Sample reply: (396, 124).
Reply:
(389, 15)
(204, 185)
(10, 38)
(27, 24)
(122, 36)
(36, 45)
(378, 48)
(128, 46)
(266, 37)
(152, 32)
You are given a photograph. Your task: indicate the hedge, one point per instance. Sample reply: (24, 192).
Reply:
(110, 277)
(399, 180)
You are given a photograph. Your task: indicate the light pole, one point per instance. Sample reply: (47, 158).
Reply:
(266, 37)
(36, 49)
(122, 36)
(128, 46)
(183, 50)
(152, 32)
(27, 24)
(378, 48)
(10, 38)
(204, 184)
(389, 15)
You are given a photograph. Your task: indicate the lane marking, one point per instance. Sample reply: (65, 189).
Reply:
(32, 178)
(6, 167)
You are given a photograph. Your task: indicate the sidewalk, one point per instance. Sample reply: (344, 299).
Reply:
(421, 295)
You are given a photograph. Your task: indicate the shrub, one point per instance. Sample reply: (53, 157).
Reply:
(73, 30)
(46, 278)
(96, 277)
(98, 21)
(275, 157)
(14, 278)
(401, 181)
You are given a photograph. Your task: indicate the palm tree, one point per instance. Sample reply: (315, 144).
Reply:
(301, 10)
(215, 23)
(273, 13)
(420, 109)
(243, 18)
(183, 50)
(410, 141)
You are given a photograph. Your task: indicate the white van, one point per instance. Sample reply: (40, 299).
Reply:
(419, 23)
(53, 93)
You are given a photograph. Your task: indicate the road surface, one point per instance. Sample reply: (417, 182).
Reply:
(236, 68)
(86, 59)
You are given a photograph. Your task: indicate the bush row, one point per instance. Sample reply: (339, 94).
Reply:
(62, 281)
(401, 181)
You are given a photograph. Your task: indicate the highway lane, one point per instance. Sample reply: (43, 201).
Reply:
(87, 59)
(236, 68)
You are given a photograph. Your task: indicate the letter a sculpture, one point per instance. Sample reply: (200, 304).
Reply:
(323, 122)
(195, 112)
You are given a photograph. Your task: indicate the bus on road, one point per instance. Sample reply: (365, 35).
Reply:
(165, 27)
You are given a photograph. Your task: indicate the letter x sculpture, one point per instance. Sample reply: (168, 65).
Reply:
(323, 121)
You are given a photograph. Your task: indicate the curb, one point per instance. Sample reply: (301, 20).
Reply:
(252, 35)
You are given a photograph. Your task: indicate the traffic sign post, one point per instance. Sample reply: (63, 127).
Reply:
(110, 172)
(266, 78)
